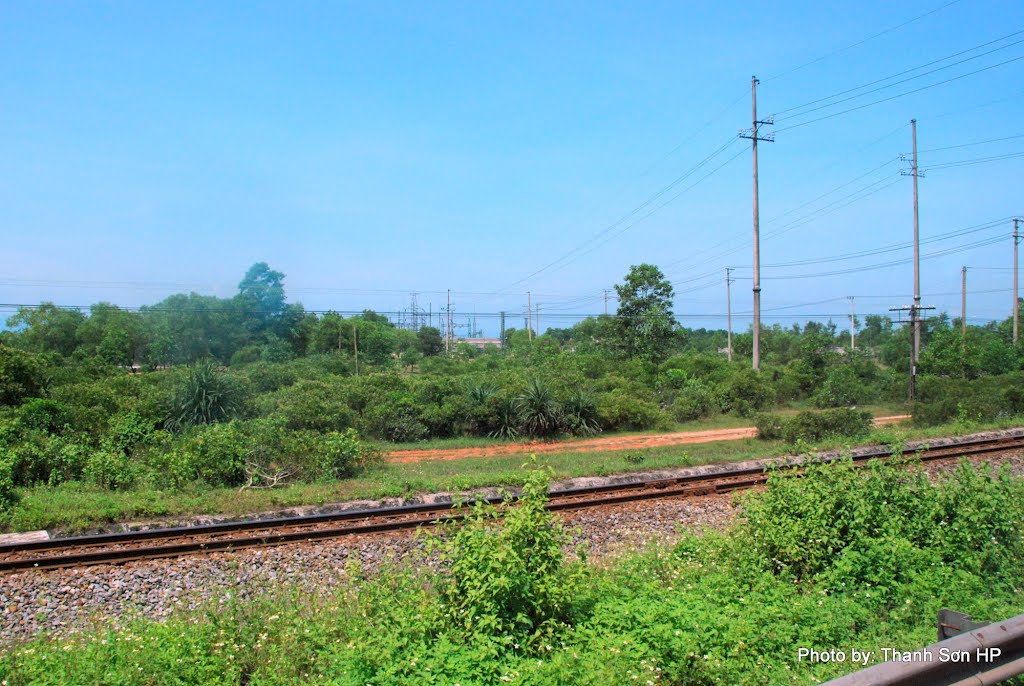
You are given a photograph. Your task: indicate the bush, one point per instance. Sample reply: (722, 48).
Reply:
(695, 401)
(770, 427)
(8, 496)
(838, 423)
(48, 416)
(579, 414)
(539, 412)
(509, 582)
(341, 454)
(620, 411)
(111, 469)
(813, 426)
(314, 405)
(206, 395)
(840, 388)
(744, 392)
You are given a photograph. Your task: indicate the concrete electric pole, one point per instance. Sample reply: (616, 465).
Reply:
(728, 309)
(754, 138)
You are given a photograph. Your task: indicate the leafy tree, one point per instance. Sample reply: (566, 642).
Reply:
(22, 375)
(262, 290)
(47, 328)
(428, 340)
(646, 324)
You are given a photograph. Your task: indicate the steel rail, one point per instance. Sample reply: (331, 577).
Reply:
(122, 547)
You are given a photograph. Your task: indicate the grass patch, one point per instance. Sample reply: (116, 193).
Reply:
(75, 507)
(844, 558)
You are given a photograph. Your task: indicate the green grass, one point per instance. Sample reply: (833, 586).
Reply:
(76, 507)
(843, 558)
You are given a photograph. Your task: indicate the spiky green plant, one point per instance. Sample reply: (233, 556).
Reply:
(205, 396)
(539, 412)
(579, 414)
(507, 420)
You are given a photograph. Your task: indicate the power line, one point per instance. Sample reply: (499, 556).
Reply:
(967, 145)
(863, 41)
(900, 95)
(897, 83)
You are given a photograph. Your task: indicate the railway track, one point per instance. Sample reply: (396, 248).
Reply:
(119, 548)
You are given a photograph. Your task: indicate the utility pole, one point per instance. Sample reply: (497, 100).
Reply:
(853, 325)
(502, 334)
(1016, 299)
(606, 301)
(914, 318)
(529, 317)
(728, 310)
(355, 346)
(754, 138)
(537, 310)
(448, 325)
(963, 310)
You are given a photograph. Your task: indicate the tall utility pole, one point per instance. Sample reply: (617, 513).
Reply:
(537, 310)
(606, 301)
(529, 317)
(448, 325)
(754, 138)
(502, 334)
(728, 310)
(355, 346)
(963, 310)
(915, 313)
(853, 325)
(1016, 299)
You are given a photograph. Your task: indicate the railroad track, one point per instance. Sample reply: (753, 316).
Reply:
(119, 548)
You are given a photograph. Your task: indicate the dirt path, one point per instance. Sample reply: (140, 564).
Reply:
(594, 444)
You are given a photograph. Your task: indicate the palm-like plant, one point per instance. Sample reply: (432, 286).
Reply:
(538, 410)
(579, 413)
(205, 396)
(507, 420)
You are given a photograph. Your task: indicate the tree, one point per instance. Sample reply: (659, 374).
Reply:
(646, 325)
(428, 340)
(261, 296)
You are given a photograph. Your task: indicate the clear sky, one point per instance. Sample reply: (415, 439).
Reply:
(375, 149)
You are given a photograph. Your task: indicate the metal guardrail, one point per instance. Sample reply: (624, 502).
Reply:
(987, 655)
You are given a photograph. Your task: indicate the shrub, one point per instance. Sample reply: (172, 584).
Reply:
(695, 400)
(841, 387)
(396, 422)
(205, 396)
(314, 405)
(769, 426)
(48, 416)
(8, 496)
(744, 392)
(506, 421)
(814, 426)
(111, 469)
(539, 412)
(22, 375)
(618, 411)
(341, 454)
(579, 414)
(509, 582)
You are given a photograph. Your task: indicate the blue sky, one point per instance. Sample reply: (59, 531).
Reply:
(371, 150)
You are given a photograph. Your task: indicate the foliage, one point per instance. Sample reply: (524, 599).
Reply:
(21, 375)
(205, 396)
(579, 413)
(814, 426)
(509, 581)
(646, 325)
(842, 557)
(538, 410)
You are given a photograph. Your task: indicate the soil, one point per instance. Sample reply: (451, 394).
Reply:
(594, 444)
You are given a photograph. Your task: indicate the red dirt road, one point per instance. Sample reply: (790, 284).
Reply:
(594, 444)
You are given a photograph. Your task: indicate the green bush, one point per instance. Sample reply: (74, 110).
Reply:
(314, 405)
(838, 423)
(8, 495)
(204, 396)
(814, 426)
(341, 454)
(744, 392)
(579, 414)
(840, 388)
(539, 412)
(770, 427)
(619, 411)
(695, 400)
(509, 582)
(48, 416)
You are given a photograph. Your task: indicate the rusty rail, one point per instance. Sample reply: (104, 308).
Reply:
(118, 548)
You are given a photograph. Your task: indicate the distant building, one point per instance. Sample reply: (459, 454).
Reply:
(481, 343)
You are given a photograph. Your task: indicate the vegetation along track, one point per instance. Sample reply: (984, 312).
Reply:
(173, 542)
